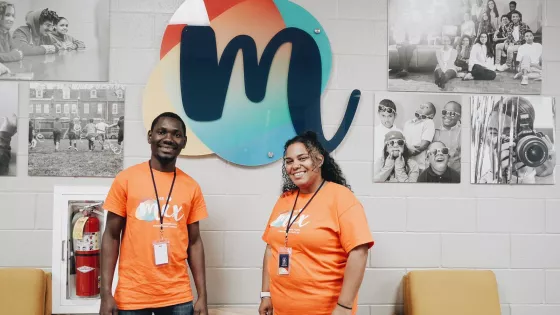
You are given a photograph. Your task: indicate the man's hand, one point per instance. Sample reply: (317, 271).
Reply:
(266, 306)
(108, 306)
(341, 311)
(9, 124)
(201, 307)
(4, 69)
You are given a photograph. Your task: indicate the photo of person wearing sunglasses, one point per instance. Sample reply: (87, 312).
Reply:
(450, 133)
(425, 122)
(438, 170)
(387, 112)
(419, 132)
(396, 164)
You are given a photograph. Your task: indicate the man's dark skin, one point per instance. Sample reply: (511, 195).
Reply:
(167, 139)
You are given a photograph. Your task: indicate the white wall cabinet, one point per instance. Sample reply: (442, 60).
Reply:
(70, 202)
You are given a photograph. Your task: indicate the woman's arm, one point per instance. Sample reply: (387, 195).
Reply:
(439, 57)
(353, 275)
(381, 172)
(266, 302)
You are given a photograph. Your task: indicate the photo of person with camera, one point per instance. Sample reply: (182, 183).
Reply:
(512, 140)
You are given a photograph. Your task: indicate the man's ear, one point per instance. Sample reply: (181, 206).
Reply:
(149, 136)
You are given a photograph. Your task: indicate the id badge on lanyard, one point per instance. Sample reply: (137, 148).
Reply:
(161, 247)
(284, 257)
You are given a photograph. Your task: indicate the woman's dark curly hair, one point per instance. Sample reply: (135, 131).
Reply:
(330, 171)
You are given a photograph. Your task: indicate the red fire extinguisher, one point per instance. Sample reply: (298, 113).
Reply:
(86, 252)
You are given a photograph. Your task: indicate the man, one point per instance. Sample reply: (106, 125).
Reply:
(450, 133)
(438, 170)
(530, 57)
(419, 133)
(101, 128)
(33, 38)
(387, 111)
(514, 39)
(57, 132)
(157, 208)
(512, 7)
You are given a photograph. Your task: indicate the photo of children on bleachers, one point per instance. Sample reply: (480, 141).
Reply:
(468, 46)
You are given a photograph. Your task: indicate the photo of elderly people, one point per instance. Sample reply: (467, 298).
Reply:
(512, 140)
(54, 40)
(417, 138)
(465, 46)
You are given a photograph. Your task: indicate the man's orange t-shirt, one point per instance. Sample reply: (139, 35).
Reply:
(332, 225)
(142, 284)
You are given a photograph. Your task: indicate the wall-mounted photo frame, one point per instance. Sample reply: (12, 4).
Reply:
(8, 128)
(512, 140)
(417, 137)
(77, 130)
(466, 46)
(55, 40)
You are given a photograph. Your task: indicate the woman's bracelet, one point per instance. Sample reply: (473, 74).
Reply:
(343, 306)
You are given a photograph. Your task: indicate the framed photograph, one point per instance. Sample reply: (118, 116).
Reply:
(466, 46)
(8, 128)
(77, 130)
(55, 40)
(417, 138)
(512, 140)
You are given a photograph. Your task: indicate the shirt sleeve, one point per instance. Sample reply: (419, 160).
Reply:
(428, 130)
(198, 207)
(265, 235)
(354, 229)
(117, 196)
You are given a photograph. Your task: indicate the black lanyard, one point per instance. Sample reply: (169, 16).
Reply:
(157, 197)
(290, 222)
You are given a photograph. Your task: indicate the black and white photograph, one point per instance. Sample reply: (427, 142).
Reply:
(54, 40)
(512, 140)
(76, 130)
(8, 128)
(417, 138)
(466, 46)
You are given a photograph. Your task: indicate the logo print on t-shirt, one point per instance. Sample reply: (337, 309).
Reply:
(282, 220)
(148, 211)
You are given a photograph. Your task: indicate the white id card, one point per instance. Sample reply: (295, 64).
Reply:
(161, 254)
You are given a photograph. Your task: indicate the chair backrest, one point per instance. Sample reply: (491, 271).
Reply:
(25, 291)
(457, 292)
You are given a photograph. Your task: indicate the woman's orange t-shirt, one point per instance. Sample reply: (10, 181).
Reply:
(142, 284)
(332, 225)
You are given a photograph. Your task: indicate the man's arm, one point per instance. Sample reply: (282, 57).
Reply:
(196, 260)
(110, 245)
(21, 42)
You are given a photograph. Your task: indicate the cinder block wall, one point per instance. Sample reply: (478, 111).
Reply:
(514, 231)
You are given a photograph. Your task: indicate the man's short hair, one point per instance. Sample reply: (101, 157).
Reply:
(432, 107)
(529, 31)
(514, 3)
(170, 115)
(48, 16)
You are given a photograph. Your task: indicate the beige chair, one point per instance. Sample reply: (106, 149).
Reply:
(457, 292)
(25, 291)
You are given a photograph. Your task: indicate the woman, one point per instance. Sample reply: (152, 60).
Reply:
(493, 14)
(318, 266)
(62, 40)
(445, 69)
(481, 60)
(396, 164)
(8, 52)
(33, 39)
(485, 27)
(463, 55)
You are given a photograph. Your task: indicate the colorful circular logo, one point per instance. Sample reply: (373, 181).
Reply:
(245, 76)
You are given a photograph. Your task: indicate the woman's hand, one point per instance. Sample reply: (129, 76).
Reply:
(266, 306)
